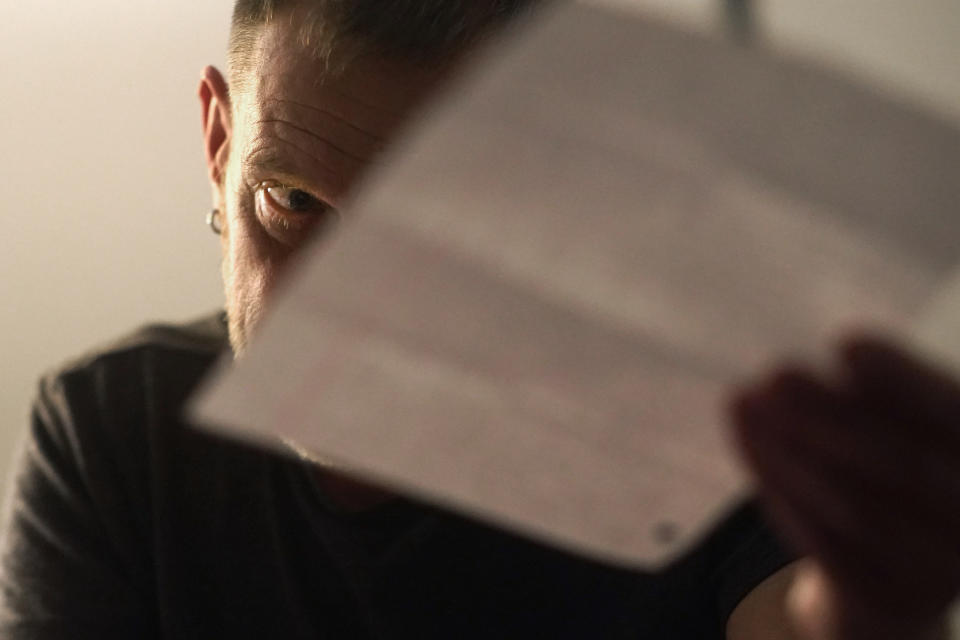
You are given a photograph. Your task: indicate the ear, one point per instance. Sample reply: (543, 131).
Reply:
(217, 126)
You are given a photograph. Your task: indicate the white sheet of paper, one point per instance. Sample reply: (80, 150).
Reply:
(533, 312)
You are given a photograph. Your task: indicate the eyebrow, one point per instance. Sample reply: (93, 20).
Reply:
(315, 136)
(266, 157)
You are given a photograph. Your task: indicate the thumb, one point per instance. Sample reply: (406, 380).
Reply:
(812, 604)
(818, 611)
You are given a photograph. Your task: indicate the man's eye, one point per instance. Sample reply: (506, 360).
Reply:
(295, 200)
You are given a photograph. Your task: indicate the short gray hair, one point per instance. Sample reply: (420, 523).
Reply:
(417, 30)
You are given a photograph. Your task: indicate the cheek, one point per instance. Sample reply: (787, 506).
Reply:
(248, 278)
(252, 264)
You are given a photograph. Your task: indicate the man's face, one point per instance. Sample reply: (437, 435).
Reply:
(299, 139)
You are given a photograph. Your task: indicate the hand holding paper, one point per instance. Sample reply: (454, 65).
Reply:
(863, 475)
(534, 311)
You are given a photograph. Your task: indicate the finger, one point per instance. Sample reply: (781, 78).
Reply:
(886, 517)
(870, 575)
(875, 472)
(796, 430)
(861, 547)
(898, 380)
(816, 608)
(785, 472)
(915, 583)
(862, 450)
(930, 511)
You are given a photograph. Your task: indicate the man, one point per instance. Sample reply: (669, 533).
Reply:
(125, 523)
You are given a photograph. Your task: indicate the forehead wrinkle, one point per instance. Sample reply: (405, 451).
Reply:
(359, 139)
(302, 86)
(266, 157)
(319, 138)
(336, 116)
(362, 134)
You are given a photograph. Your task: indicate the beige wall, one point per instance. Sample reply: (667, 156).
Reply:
(103, 197)
(104, 193)
(913, 48)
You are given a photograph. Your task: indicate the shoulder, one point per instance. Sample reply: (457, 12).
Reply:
(157, 358)
(81, 510)
(202, 338)
(101, 421)
(116, 395)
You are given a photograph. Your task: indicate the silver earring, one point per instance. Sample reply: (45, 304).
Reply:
(213, 221)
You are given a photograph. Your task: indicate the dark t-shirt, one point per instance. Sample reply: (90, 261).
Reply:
(123, 522)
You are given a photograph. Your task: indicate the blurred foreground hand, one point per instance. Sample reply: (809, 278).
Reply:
(862, 475)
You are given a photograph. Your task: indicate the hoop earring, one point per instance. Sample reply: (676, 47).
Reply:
(213, 221)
